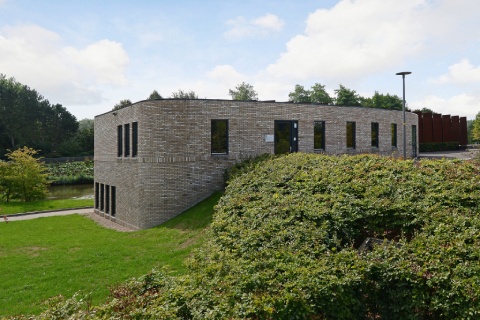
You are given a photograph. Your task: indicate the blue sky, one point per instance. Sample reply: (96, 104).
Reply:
(89, 55)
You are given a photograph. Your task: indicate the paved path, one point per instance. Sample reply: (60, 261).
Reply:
(34, 215)
(460, 154)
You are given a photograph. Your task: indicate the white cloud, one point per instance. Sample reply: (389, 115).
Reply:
(464, 105)
(259, 27)
(462, 72)
(37, 57)
(353, 39)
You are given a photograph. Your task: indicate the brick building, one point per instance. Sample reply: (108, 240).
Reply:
(157, 158)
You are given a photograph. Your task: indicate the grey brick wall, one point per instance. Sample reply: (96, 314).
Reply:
(174, 168)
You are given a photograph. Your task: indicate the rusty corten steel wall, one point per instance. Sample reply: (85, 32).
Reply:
(447, 128)
(437, 128)
(456, 128)
(427, 127)
(463, 131)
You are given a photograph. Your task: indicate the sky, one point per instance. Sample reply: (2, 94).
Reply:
(88, 55)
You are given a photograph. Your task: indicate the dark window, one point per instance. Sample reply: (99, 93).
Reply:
(102, 197)
(107, 198)
(126, 151)
(219, 136)
(351, 135)
(119, 141)
(319, 135)
(375, 134)
(97, 189)
(114, 201)
(394, 134)
(134, 139)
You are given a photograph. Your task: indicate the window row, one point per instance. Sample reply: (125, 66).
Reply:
(123, 140)
(106, 198)
(219, 135)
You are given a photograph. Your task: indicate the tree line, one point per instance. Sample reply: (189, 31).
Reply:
(316, 94)
(28, 119)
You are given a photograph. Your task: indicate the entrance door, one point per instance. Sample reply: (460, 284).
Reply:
(286, 136)
(414, 141)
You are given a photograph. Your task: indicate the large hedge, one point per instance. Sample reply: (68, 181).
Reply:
(284, 245)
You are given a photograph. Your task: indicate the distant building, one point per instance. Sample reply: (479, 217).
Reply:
(157, 158)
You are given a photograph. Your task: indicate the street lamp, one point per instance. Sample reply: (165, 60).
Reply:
(404, 118)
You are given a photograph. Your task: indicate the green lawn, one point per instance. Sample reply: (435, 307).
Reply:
(13, 207)
(45, 257)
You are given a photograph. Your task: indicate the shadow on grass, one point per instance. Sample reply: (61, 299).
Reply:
(195, 218)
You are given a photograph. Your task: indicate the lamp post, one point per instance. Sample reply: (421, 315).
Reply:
(404, 118)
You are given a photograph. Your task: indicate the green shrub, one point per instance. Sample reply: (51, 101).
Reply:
(439, 146)
(78, 172)
(283, 245)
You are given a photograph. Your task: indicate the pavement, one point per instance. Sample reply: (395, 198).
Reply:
(459, 154)
(43, 214)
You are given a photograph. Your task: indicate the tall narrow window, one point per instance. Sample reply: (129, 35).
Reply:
(219, 137)
(114, 201)
(102, 196)
(126, 150)
(107, 198)
(319, 135)
(351, 135)
(394, 134)
(134, 139)
(119, 141)
(97, 196)
(375, 134)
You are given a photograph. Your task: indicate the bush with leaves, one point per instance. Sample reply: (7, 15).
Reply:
(283, 245)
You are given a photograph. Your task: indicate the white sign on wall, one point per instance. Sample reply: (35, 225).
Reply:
(269, 138)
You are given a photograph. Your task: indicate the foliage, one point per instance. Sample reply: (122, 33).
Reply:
(155, 95)
(14, 207)
(122, 104)
(244, 92)
(439, 146)
(317, 94)
(476, 128)
(391, 102)
(63, 255)
(180, 94)
(78, 172)
(23, 177)
(347, 97)
(283, 245)
(424, 110)
(27, 119)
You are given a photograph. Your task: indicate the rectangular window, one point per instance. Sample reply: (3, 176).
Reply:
(319, 135)
(351, 135)
(107, 198)
(219, 136)
(114, 201)
(119, 141)
(127, 140)
(394, 134)
(134, 139)
(375, 134)
(97, 189)
(102, 197)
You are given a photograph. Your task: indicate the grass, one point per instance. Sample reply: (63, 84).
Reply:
(13, 207)
(45, 257)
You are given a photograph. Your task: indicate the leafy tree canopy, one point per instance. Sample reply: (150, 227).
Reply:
(243, 91)
(391, 102)
(122, 104)
(424, 110)
(154, 95)
(347, 97)
(180, 94)
(476, 128)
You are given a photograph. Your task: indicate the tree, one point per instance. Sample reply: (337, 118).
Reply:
(382, 101)
(180, 94)
(154, 95)
(122, 104)
(299, 95)
(424, 110)
(243, 91)
(23, 177)
(346, 97)
(476, 128)
(318, 94)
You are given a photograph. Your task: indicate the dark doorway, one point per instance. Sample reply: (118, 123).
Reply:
(286, 136)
